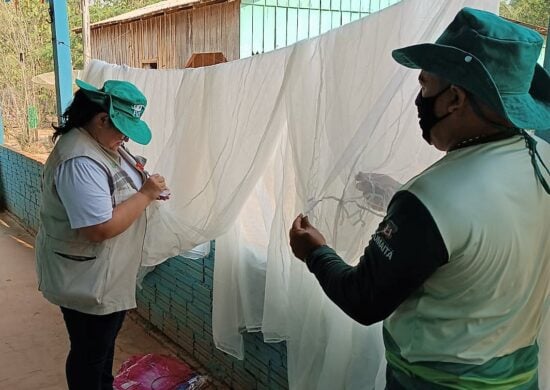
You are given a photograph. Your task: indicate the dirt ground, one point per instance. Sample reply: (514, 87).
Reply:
(38, 150)
(34, 342)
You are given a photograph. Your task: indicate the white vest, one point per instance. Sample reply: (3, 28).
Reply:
(93, 278)
(491, 297)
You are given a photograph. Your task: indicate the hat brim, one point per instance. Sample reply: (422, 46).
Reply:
(94, 94)
(527, 111)
(134, 128)
(86, 86)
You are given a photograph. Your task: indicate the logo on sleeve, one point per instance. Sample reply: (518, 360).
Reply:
(385, 232)
(387, 229)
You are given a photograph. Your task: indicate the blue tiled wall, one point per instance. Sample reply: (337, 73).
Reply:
(20, 186)
(176, 297)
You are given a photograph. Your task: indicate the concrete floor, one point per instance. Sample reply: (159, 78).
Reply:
(33, 339)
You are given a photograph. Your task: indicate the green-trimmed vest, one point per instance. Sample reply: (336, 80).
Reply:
(94, 278)
(475, 322)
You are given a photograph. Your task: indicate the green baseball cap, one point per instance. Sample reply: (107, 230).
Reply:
(125, 105)
(492, 58)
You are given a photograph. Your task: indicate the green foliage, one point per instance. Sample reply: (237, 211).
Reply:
(108, 8)
(24, 36)
(536, 12)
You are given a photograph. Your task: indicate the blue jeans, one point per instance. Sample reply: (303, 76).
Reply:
(90, 361)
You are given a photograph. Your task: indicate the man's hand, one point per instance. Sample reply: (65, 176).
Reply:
(304, 238)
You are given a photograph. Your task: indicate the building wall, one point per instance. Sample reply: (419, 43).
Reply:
(176, 297)
(170, 39)
(271, 24)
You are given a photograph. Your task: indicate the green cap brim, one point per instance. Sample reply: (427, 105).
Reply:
(93, 94)
(134, 128)
(87, 87)
(454, 65)
(525, 111)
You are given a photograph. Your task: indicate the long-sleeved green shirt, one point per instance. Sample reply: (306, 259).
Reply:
(404, 251)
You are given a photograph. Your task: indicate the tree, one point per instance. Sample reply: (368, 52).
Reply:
(24, 38)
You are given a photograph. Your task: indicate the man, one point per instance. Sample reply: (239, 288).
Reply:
(459, 268)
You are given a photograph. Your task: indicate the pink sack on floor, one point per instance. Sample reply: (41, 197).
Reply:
(156, 372)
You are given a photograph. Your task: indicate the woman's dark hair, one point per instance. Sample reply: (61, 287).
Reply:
(80, 111)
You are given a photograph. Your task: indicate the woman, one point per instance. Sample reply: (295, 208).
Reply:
(92, 224)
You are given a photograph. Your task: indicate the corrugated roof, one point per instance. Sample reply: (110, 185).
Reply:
(149, 10)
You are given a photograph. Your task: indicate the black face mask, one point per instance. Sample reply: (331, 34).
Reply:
(426, 113)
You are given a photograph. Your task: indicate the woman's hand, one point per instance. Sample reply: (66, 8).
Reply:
(154, 186)
(127, 212)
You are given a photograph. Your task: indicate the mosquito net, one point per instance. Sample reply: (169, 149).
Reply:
(327, 127)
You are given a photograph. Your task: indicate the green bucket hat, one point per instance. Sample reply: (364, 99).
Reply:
(495, 60)
(125, 105)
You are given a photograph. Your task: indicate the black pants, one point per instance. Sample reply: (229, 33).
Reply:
(90, 361)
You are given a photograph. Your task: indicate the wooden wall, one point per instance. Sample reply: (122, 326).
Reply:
(171, 38)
